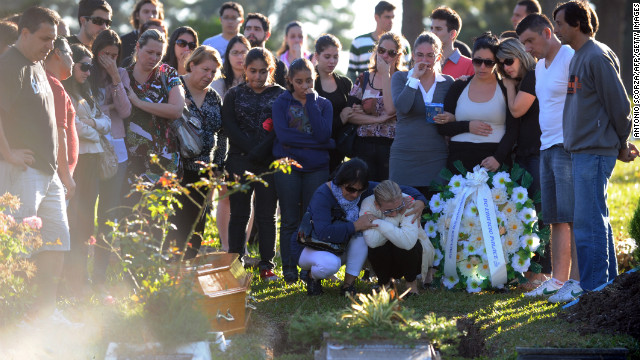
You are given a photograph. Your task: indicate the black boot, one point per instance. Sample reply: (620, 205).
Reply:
(314, 287)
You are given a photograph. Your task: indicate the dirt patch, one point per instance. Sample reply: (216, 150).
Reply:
(471, 345)
(614, 309)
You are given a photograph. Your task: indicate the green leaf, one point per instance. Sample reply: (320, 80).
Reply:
(446, 174)
(516, 173)
(537, 197)
(535, 267)
(458, 165)
(527, 180)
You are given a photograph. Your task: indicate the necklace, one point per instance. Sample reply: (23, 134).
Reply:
(371, 79)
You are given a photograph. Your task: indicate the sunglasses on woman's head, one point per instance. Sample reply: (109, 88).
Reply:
(97, 20)
(391, 52)
(486, 62)
(350, 189)
(507, 62)
(84, 67)
(399, 208)
(182, 43)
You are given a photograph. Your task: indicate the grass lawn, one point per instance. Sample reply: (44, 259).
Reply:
(504, 320)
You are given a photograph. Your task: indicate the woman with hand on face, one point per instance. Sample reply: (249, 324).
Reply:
(482, 128)
(233, 68)
(419, 152)
(182, 42)
(343, 195)
(332, 86)
(158, 99)
(247, 121)
(108, 83)
(202, 66)
(302, 123)
(294, 45)
(90, 123)
(376, 116)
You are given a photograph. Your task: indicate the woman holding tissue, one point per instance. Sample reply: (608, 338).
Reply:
(419, 152)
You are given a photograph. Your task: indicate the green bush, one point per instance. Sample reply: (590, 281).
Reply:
(634, 231)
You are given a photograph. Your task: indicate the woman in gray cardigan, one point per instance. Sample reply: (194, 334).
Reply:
(419, 152)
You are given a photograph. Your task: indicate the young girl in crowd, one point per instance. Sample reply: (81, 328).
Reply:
(247, 121)
(332, 86)
(419, 152)
(158, 99)
(91, 123)
(202, 66)
(481, 127)
(182, 42)
(108, 84)
(376, 116)
(302, 124)
(294, 45)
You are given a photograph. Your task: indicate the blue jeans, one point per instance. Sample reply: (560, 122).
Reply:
(591, 227)
(294, 194)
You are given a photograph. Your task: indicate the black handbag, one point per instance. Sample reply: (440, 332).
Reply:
(305, 233)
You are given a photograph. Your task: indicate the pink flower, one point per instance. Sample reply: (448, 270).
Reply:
(268, 125)
(92, 240)
(33, 222)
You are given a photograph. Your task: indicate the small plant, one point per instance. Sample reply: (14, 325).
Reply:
(634, 232)
(17, 241)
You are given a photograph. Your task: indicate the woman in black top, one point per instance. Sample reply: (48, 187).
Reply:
(182, 42)
(202, 67)
(246, 117)
(333, 87)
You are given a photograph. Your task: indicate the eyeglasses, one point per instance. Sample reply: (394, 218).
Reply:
(350, 189)
(399, 208)
(98, 20)
(229, 18)
(487, 62)
(236, 53)
(182, 43)
(391, 52)
(84, 67)
(507, 62)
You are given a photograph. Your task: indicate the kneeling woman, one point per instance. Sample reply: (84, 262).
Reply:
(394, 249)
(345, 192)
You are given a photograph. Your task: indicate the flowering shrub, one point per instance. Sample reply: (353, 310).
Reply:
(17, 241)
(515, 218)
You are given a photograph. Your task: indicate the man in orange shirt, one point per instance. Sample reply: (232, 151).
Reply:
(446, 24)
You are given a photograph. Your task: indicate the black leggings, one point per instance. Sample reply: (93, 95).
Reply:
(389, 261)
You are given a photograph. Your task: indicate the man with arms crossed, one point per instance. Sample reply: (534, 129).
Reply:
(28, 149)
(596, 127)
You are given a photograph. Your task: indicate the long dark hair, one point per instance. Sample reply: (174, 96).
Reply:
(227, 71)
(354, 171)
(170, 58)
(76, 90)
(106, 38)
(285, 47)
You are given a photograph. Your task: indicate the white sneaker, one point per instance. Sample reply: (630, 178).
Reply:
(547, 288)
(57, 318)
(569, 291)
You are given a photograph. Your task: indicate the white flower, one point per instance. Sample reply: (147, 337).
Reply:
(527, 215)
(510, 243)
(471, 209)
(442, 229)
(520, 264)
(483, 269)
(500, 180)
(476, 238)
(509, 209)
(456, 184)
(473, 284)
(469, 224)
(472, 248)
(499, 195)
(438, 256)
(514, 226)
(530, 241)
(436, 203)
(450, 281)
(430, 228)
(466, 268)
(519, 195)
(459, 256)
(501, 218)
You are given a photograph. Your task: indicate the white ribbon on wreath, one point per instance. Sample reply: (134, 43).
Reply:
(476, 185)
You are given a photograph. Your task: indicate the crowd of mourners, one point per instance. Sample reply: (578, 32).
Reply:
(546, 96)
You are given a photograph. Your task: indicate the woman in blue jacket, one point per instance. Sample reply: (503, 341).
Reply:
(346, 190)
(302, 123)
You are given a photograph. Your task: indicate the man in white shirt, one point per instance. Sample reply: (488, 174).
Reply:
(556, 179)
(231, 17)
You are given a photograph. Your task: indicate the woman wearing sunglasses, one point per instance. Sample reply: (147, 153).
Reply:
(157, 97)
(419, 152)
(376, 116)
(398, 247)
(90, 123)
(481, 126)
(346, 190)
(108, 83)
(182, 42)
